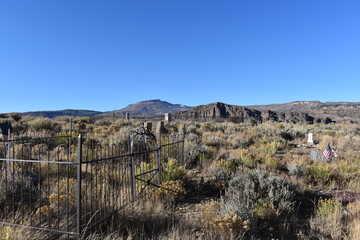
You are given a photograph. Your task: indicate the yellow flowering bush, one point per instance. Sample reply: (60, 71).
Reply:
(228, 225)
(170, 191)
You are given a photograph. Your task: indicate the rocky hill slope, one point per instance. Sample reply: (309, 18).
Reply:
(348, 112)
(300, 111)
(153, 107)
(148, 108)
(218, 110)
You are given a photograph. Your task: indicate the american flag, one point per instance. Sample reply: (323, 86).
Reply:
(329, 152)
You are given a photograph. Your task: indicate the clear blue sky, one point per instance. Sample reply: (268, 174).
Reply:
(104, 55)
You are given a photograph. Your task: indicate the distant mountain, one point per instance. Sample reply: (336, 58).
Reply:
(144, 108)
(151, 108)
(67, 112)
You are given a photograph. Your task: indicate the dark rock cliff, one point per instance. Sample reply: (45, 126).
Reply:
(220, 111)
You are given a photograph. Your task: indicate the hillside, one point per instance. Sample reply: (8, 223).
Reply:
(299, 106)
(337, 111)
(299, 111)
(143, 108)
(67, 112)
(220, 110)
(149, 108)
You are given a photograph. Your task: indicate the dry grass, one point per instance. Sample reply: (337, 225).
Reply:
(226, 148)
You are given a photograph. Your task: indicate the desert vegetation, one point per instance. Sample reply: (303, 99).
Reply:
(236, 181)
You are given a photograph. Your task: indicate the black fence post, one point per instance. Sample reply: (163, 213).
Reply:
(183, 150)
(78, 194)
(158, 159)
(132, 168)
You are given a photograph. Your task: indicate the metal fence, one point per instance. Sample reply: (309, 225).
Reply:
(69, 186)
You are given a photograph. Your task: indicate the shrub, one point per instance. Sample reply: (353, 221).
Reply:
(287, 136)
(17, 188)
(266, 149)
(172, 171)
(296, 170)
(245, 159)
(44, 124)
(225, 224)
(214, 138)
(222, 175)
(242, 140)
(354, 226)
(272, 162)
(319, 174)
(255, 187)
(229, 164)
(103, 122)
(208, 126)
(345, 172)
(327, 207)
(15, 116)
(20, 128)
(207, 153)
(169, 191)
(327, 219)
(265, 211)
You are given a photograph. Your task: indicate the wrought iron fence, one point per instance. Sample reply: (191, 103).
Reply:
(69, 186)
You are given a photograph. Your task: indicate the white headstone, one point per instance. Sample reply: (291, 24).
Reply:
(167, 117)
(310, 138)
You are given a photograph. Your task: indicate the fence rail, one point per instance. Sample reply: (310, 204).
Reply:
(65, 186)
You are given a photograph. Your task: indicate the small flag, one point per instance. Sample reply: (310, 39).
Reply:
(329, 152)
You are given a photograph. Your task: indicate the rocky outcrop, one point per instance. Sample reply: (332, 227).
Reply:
(324, 112)
(222, 111)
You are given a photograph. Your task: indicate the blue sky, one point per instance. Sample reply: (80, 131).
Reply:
(104, 55)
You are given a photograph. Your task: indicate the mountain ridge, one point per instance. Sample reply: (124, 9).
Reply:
(218, 111)
(348, 112)
(142, 108)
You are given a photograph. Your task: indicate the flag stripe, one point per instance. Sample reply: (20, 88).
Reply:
(328, 152)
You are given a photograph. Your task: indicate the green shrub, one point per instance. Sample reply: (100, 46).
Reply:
(170, 191)
(15, 116)
(207, 153)
(248, 161)
(272, 162)
(319, 173)
(208, 126)
(103, 122)
(327, 207)
(255, 187)
(230, 164)
(42, 124)
(296, 170)
(222, 175)
(172, 171)
(224, 224)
